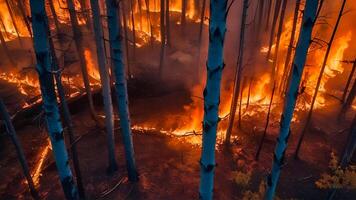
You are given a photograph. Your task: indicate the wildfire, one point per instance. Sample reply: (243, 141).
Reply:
(36, 174)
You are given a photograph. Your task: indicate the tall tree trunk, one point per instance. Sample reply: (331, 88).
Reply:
(105, 82)
(148, 13)
(330, 43)
(260, 17)
(348, 103)
(124, 19)
(269, 10)
(290, 48)
(238, 73)
(163, 40)
(215, 66)
(274, 22)
(12, 16)
(167, 24)
(20, 154)
(56, 22)
(78, 40)
(121, 85)
(133, 31)
(6, 48)
(240, 97)
(291, 96)
(202, 15)
(43, 55)
(267, 123)
(66, 116)
(183, 18)
(348, 82)
(279, 33)
(22, 9)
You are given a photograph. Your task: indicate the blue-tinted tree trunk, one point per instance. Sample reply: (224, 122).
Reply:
(43, 56)
(120, 85)
(291, 95)
(105, 83)
(215, 65)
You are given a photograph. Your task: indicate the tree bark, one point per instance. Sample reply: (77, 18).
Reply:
(121, 85)
(55, 130)
(291, 96)
(163, 40)
(238, 73)
(267, 123)
(215, 65)
(78, 40)
(105, 82)
(20, 154)
(307, 123)
(348, 82)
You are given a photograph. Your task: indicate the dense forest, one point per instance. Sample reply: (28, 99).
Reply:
(177, 99)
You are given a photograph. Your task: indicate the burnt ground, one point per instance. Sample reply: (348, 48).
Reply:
(168, 165)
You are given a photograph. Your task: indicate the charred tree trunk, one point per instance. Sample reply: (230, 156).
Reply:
(22, 9)
(43, 55)
(202, 16)
(260, 17)
(307, 123)
(269, 10)
(20, 154)
(121, 85)
(215, 65)
(240, 97)
(249, 93)
(348, 102)
(183, 19)
(78, 40)
(291, 96)
(12, 16)
(133, 31)
(163, 40)
(267, 123)
(348, 82)
(55, 19)
(124, 19)
(105, 82)
(6, 48)
(167, 24)
(290, 48)
(274, 22)
(279, 33)
(237, 74)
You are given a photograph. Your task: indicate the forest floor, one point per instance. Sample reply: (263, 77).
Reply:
(168, 165)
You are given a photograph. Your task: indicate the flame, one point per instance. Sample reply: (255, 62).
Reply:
(36, 174)
(92, 70)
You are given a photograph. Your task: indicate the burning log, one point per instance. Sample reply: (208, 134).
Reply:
(12, 133)
(238, 73)
(307, 123)
(105, 82)
(291, 96)
(121, 85)
(41, 46)
(215, 65)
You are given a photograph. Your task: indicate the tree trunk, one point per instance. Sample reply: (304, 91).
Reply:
(121, 85)
(149, 21)
(66, 116)
(279, 33)
(290, 48)
(260, 17)
(202, 15)
(267, 123)
(274, 22)
(78, 40)
(348, 82)
(14, 21)
(249, 93)
(182, 18)
(43, 55)
(348, 103)
(163, 40)
(24, 16)
(105, 82)
(56, 22)
(215, 65)
(6, 48)
(291, 96)
(85, 13)
(237, 74)
(240, 97)
(124, 19)
(167, 24)
(133, 31)
(300, 140)
(20, 154)
(269, 10)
